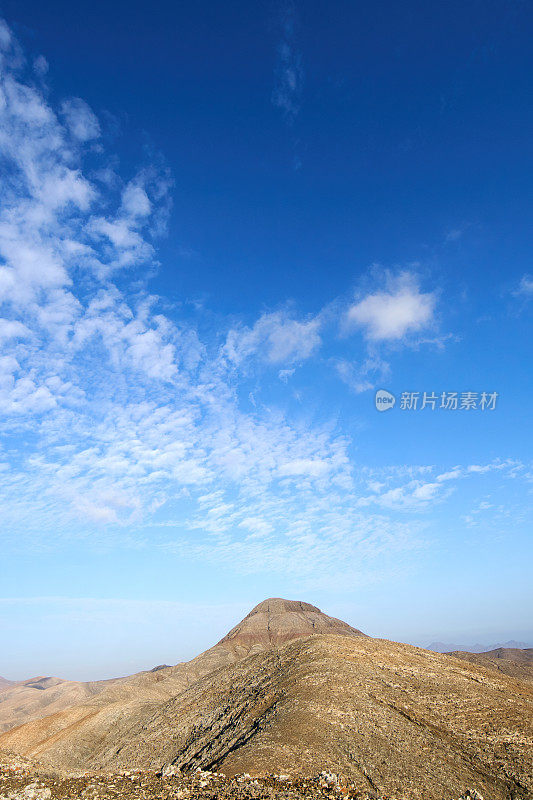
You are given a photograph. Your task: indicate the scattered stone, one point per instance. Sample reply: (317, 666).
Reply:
(28, 783)
(328, 780)
(170, 770)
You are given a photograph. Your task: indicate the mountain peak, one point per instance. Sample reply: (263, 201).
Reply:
(278, 605)
(276, 620)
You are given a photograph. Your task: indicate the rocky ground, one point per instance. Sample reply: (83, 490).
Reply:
(21, 780)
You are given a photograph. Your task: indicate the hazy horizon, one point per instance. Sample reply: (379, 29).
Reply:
(224, 229)
(189, 631)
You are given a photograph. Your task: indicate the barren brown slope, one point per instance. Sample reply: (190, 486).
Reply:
(511, 661)
(393, 718)
(38, 697)
(273, 621)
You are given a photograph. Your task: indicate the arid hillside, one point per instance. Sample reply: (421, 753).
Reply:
(392, 719)
(25, 700)
(511, 661)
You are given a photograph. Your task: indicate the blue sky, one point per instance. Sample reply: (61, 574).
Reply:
(224, 227)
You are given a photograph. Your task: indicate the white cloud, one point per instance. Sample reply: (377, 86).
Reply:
(393, 314)
(40, 66)
(305, 467)
(132, 338)
(10, 329)
(275, 338)
(421, 488)
(412, 496)
(5, 35)
(427, 491)
(525, 287)
(450, 475)
(258, 527)
(285, 374)
(135, 201)
(364, 376)
(80, 119)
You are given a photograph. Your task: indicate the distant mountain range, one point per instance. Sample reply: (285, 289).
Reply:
(441, 647)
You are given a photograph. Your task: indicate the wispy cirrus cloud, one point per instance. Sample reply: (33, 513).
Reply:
(276, 338)
(525, 287)
(287, 92)
(362, 376)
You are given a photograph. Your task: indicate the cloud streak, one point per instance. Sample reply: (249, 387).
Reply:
(287, 92)
(525, 287)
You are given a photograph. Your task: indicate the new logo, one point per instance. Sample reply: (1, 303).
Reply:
(384, 400)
